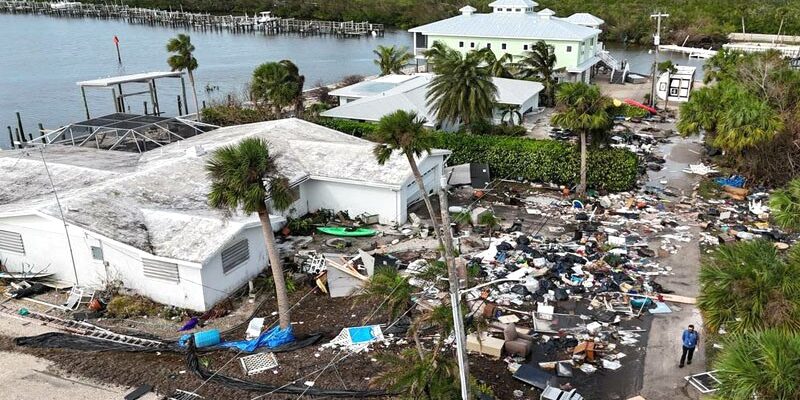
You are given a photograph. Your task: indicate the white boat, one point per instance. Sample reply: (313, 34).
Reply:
(64, 5)
(264, 17)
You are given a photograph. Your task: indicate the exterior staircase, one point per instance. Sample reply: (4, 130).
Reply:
(619, 70)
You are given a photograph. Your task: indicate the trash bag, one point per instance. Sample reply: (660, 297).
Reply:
(520, 290)
(561, 294)
(504, 246)
(523, 240)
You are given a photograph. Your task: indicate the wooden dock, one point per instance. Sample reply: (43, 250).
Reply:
(197, 21)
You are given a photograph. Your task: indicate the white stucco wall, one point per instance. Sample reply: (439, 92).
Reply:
(218, 284)
(355, 199)
(46, 245)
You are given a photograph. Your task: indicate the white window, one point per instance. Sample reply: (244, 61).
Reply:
(161, 270)
(524, 47)
(460, 44)
(503, 46)
(569, 49)
(11, 241)
(472, 45)
(235, 255)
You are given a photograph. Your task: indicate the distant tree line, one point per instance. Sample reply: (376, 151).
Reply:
(705, 21)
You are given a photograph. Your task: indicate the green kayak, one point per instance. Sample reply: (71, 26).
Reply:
(342, 231)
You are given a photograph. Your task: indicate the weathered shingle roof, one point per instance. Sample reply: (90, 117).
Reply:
(143, 201)
(507, 25)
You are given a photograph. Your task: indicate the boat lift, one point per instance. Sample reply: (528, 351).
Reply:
(115, 83)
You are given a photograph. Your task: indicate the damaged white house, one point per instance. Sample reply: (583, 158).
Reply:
(143, 219)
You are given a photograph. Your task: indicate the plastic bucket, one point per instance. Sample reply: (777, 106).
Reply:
(206, 338)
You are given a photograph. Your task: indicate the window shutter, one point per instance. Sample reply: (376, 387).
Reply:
(11, 241)
(235, 255)
(160, 270)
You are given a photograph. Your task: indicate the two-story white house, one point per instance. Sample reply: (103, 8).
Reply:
(513, 27)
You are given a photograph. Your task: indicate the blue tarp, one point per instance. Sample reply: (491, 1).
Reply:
(272, 338)
(269, 339)
(734, 180)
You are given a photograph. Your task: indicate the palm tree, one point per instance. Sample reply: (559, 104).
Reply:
(785, 205)
(759, 365)
(439, 54)
(391, 60)
(747, 286)
(511, 113)
(417, 376)
(498, 67)
(391, 289)
(669, 68)
(583, 109)
(183, 59)
(242, 178)
(540, 64)
(278, 84)
(747, 122)
(298, 81)
(405, 132)
(462, 91)
(722, 66)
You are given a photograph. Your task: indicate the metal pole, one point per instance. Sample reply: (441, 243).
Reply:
(183, 90)
(85, 104)
(656, 42)
(455, 298)
(61, 211)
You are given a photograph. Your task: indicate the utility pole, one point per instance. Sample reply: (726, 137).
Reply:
(656, 42)
(455, 296)
(116, 43)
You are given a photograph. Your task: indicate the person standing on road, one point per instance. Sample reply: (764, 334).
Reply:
(690, 339)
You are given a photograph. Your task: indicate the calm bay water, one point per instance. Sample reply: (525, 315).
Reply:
(41, 59)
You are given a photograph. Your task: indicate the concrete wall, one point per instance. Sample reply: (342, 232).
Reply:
(218, 284)
(580, 51)
(46, 245)
(353, 198)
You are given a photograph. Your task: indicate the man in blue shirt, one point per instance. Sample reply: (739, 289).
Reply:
(691, 339)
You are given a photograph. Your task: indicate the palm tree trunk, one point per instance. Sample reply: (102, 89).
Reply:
(277, 271)
(194, 94)
(428, 205)
(582, 186)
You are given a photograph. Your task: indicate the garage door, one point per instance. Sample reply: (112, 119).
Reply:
(412, 190)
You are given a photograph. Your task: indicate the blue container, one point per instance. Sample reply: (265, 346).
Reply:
(206, 338)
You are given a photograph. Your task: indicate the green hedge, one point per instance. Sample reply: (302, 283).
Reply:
(355, 128)
(542, 160)
(527, 159)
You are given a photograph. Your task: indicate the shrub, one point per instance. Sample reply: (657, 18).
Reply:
(126, 306)
(226, 115)
(542, 160)
(483, 127)
(628, 111)
(355, 128)
(525, 159)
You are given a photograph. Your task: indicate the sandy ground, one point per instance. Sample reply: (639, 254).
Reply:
(24, 377)
(663, 380)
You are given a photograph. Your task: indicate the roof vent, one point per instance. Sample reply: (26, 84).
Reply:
(468, 10)
(546, 13)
